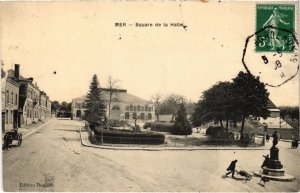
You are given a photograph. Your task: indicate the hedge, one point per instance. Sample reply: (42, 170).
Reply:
(159, 126)
(214, 131)
(219, 136)
(125, 137)
(116, 123)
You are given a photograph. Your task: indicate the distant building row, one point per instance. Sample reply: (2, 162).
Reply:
(22, 101)
(124, 106)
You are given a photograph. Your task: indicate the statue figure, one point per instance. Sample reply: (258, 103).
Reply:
(275, 139)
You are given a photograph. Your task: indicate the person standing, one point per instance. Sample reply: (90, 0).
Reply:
(267, 138)
(231, 168)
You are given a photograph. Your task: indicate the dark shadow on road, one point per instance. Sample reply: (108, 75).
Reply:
(238, 179)
(261, 184)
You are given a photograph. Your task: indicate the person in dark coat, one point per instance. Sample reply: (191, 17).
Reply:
(267, 138)
(231, 168)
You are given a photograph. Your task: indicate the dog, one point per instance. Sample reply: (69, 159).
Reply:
(264, 180)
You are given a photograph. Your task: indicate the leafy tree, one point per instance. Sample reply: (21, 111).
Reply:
(65, 107)
(251, 97)
(55, 106)
(288, 111)
(216, 104)
(95, 113)
(182, 126)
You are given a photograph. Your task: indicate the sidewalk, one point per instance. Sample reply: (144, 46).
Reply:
(28, 128)
(86, 142)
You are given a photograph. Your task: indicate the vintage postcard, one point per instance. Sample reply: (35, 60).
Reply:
(150, 96)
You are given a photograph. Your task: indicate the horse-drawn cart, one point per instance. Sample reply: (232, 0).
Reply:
(9, 136)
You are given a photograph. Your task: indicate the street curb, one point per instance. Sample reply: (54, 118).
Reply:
(32, 130)
(160, 148)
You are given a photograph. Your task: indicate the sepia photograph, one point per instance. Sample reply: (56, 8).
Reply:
(150, 96)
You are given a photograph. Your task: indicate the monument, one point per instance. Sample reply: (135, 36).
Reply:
(272, 167)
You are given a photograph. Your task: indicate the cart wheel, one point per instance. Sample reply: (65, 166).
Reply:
(20, 140)
(249, 177)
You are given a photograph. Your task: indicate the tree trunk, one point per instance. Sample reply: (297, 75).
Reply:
(172, 117)
(242, 127)
(221, 123)
(226, 125)
(109, 104)
(135, 125)
(157, 110)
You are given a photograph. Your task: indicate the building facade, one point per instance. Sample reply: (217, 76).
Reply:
(124, 106)
(29, 103)
(44, 111)
(275, 123)
(10, 103)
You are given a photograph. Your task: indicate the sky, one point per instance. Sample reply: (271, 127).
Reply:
(80, 39)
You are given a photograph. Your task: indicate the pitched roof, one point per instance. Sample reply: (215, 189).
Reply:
(271, 105)
(119, 97)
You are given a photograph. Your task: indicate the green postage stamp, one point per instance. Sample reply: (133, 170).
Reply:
(275, 27)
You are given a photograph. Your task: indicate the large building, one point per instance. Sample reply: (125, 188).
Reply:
(10, 102)
(124, 106)
(276, 123)
(25, 101)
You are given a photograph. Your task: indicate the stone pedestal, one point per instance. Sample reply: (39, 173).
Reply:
(273, 169)
(274, 162)
(273, 172)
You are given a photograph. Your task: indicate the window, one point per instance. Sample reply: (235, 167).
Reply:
(127, 108)
(142, 116)
(131, 107)
(6, 117)
(12, 97)
(27, 109)
(16, 99)
(11, 116)
(134, 108)
(7, 96)
(138, 107)
(115, 107)
(134, 116)
(146, 108)
(78, 105)
(149, 116)
(127, 115)
(142, 108)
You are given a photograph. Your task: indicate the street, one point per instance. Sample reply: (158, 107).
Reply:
(53, 159)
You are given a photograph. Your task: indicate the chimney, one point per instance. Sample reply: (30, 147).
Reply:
(17, 71)
(30, 79)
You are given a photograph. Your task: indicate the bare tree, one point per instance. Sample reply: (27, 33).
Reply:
(174, 101)
(3, 73)
(156, 102)
(112, 85)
